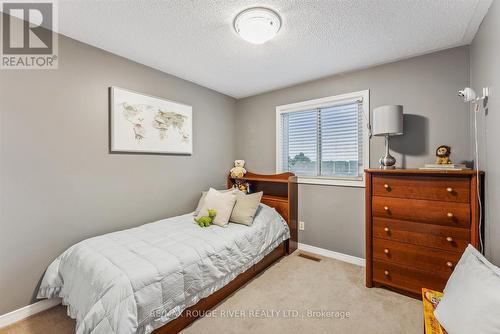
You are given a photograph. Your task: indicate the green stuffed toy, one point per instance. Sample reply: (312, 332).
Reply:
(205, 221)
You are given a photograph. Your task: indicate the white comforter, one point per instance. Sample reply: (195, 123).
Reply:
(136, 280)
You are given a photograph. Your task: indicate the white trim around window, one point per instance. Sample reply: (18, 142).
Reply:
(330, 101)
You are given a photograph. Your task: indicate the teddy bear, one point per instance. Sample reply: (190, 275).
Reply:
(205, 221)
(443, 155)
(237, 172)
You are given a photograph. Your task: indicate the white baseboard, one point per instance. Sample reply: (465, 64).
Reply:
(24, 312)
(331, 254)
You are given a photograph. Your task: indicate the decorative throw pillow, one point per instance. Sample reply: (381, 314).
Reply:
(245, 208)
(223, 203)
(204, 194)
(471, 297)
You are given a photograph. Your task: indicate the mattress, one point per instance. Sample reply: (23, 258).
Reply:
(137, 280)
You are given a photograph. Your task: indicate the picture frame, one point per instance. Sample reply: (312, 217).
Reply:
(145, 124)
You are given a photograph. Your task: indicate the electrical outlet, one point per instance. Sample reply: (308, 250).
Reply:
(301, 226)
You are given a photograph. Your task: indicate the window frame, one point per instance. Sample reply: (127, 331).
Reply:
(322, 103)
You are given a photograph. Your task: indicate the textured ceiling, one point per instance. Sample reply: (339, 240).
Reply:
(194, 39)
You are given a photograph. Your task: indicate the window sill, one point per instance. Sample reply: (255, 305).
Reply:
(331, 182)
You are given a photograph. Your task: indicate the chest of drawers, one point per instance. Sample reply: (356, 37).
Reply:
(418, 223)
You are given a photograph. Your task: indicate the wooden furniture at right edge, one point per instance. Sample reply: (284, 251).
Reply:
(418, 223)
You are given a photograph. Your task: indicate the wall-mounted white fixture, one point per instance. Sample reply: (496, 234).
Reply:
(257, 25)
(469, 95)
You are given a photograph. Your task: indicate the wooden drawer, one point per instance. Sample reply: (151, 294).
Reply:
(442, 237)
(448, 189)
(432, 212)
(408, 279)
(418, 257)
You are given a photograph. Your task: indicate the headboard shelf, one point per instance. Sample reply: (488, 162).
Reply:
(274, 178)
(279, 192)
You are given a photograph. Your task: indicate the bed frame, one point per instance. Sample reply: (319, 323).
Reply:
(280, 192)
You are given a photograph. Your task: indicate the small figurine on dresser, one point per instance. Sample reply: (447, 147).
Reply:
(443, 161)
(443, 155)
(238, 171)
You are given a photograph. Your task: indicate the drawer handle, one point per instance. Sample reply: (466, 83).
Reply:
(386, 229)
(386, 251)
(449, 264)
(449, 214)
(449, 239)
(386, 273)
(449, 189)
(386, 208)
(386, 186)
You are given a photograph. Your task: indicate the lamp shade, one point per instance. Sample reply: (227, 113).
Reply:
(388, 120)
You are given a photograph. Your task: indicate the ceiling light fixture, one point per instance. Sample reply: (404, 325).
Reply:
(257, 25)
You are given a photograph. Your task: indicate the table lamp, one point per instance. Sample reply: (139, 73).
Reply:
(388, 121)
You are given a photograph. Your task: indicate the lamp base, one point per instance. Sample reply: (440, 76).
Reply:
(387, 161)
(387, 167)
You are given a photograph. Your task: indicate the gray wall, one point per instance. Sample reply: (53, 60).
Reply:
(58, 183)
(434, 115)
(485, 71)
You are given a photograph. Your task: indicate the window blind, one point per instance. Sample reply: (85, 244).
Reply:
(324, 142)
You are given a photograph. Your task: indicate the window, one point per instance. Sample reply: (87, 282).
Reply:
(325, 141)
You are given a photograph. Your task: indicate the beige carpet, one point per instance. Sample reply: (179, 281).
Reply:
(278, 302)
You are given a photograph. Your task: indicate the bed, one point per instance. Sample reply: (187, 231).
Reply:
(150, 277)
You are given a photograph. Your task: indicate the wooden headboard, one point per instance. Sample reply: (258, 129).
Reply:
(280, 192)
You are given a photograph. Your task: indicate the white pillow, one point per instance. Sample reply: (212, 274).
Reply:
(204, 193)
(471, 300)
(223, 203)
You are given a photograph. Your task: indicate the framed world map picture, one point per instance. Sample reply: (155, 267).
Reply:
(150, 125)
